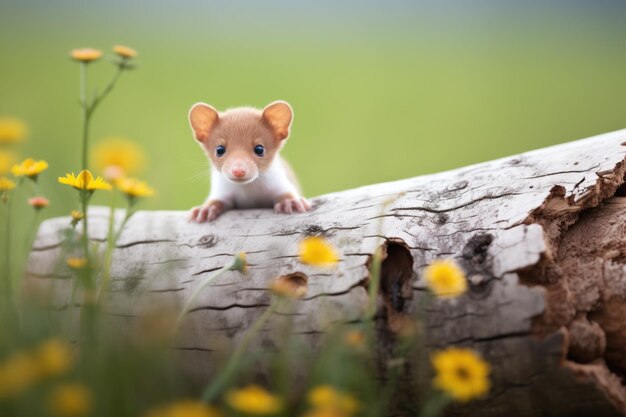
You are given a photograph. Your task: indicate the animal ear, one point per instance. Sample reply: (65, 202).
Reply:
(202, 118)
(278, 116)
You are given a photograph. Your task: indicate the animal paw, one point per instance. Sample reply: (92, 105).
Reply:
(206, 212)
(290, 204)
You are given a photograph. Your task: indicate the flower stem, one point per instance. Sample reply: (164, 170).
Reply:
(85, 162)
(109, 87)
(375, 268)
(112, 238)
(30, 237)
(86, 112)
(8, 247)
(8, 307)
(106, 273)
(222, 379)
(435, 405)
(8, 291)
(199, 289)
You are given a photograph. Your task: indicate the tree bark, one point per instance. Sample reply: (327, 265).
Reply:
(540, 236)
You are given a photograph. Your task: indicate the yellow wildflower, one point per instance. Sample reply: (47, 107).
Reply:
(317, 251)
(254, 399)
(326, 397)
(77, 215)
(11, 130)
(7, 159)
(445, 278)
(85, 181)
(134, 188)
(241, 263)
(76, 262)
(461, 373)
(17, 374)
(325, 412)
(54, 357)
(354, 338)
(124, 51)
(117, 157)
(86, 54)
(6, 184)
(29, 167)
(70, 400)
(38, 202)
(185, 408)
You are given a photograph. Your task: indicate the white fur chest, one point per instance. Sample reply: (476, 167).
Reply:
(263, 192)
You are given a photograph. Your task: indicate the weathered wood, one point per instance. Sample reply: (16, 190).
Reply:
(547, 285)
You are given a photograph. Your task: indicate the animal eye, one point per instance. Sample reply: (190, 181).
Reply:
(259, 150)
(220, 150)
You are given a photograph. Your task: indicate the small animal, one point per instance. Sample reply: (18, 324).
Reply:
(243, 145)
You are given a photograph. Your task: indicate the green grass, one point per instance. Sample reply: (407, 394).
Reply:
(368, 108)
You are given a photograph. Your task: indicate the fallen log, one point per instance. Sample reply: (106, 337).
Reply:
(540, 235)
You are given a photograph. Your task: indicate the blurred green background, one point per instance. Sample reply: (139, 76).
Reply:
(381, 90)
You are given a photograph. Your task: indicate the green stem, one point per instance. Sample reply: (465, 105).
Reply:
(88, 110)
(6, 279)
(435, 405)
(129, 214)
(30, 237)
(199, 289)
(86, 115)
(84, 199)
(112, 239)
(218, 383)
(70, 308)
(109, 87)
(7, 249)
(85, 161)
(374, 284)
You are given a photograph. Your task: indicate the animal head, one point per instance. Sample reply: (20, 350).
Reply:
(241, 142)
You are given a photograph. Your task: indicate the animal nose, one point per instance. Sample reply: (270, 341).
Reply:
(239, 172)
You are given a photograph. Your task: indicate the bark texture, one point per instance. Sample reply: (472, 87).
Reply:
(541, 236)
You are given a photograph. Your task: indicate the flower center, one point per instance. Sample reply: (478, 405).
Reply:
(462, 373)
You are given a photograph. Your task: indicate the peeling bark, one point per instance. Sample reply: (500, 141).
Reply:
(540, 236)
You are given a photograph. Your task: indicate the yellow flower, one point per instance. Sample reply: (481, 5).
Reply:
(241, 264)
(185, 408)
(30, 168)
(124, 51)
(6, 184)
(325, 412)
(254, 399)
(86, 54)
(85, 181)
(317, 251)
(76, 262)
(53, 357)
(77, 216)
(326, 397)
(117, 157)
(38, 202)
(7, 159)
(134, 188)
(461, 373)
(354, 338)
(70, 400)
(17, 374)
(445, 278)
(11, 130)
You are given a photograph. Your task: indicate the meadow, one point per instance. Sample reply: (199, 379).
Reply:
(376, 98)
(378, 95)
